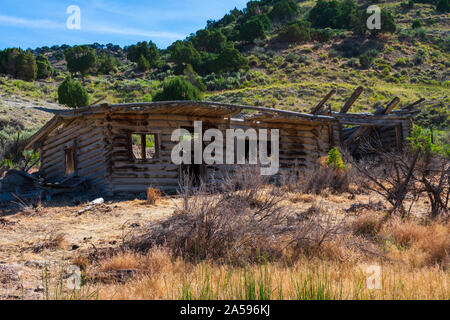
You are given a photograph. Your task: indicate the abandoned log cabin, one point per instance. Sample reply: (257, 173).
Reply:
(127, 147)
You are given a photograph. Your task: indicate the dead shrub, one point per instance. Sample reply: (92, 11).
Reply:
(122, 261)
(125, 265)
(81, 262)
(246, 221)
(300, 197)
(313, 230)
(367, 224)
(153, 195)
(436, 244)
(318, 180)
(424, 244)
(407, 233)
(52, 241)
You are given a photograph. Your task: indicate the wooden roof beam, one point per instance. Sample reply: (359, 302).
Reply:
(412, 105)
(351, 101)
(321, 104)
(390, 107)
(363, 130)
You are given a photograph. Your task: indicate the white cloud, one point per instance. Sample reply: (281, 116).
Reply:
(29, 23)
(47, 24)
(133, 32)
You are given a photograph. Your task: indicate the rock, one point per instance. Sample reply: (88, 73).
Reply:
(9, 273)
(39, 288)
(34, 264)
(97, 201)
(92, 205)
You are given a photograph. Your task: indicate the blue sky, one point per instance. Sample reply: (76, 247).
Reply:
(34, 23)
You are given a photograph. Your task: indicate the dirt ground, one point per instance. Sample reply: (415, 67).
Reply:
(55, 233)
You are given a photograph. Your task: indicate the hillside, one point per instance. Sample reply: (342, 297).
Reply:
(409, 63)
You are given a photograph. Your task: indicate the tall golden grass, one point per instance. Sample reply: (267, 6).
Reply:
(166, 277)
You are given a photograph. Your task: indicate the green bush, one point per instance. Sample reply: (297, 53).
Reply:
(107, 64)
(334, 159)
(80, 59)
(419, 58)
(44, 68)
(143, 49)
(72, 94)
(230, 59)
(401, 62)
(322, 35)
(416, 24)
(18, 63)
(26, 66)
(421, 139)
(365, 61)
(209, 41)
(443, 6)
(333, 14)
(359, 22)
(178, 89)
(284, 11)
(143, 64)
(182, 53)
(255, 28)
(294, 33)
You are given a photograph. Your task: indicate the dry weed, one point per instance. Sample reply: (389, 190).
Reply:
(367, 224)
(153, 195)
(420, 244)
(52, 242)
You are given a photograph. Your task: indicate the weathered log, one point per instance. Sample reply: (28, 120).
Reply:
(365, 129)
(352, 100)
(319, 107)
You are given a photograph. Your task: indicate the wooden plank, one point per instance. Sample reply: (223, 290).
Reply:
(365, 129)
(412, 105)
(319, 107)
(399, 139)
(391, 106)
(351, 101)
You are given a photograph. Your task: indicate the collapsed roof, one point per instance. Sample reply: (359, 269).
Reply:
(185, 108)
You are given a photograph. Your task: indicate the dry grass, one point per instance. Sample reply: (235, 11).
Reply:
(167, 277)
(367, 224)
(321, 180)
(153, 195)
(419, 244)
(52, 242)
(249, 240)
(247, 221)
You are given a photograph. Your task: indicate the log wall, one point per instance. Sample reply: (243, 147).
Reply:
(88, 140)
(103, 149)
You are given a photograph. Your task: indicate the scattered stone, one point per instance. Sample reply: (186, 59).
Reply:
(114, 276)
(9, 273)
(379, 206)
(39, 288)
(5, 223)
(34, 264)
(92, 205)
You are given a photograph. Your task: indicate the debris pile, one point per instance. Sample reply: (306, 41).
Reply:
(18, 184)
